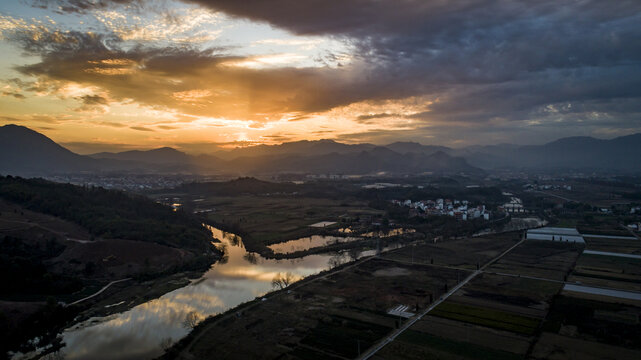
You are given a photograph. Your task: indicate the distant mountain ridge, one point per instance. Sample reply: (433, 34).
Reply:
(164, 155)
(27, 152)
(620, 155)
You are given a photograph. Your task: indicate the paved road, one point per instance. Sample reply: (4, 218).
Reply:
(98, 292)
(370, 352)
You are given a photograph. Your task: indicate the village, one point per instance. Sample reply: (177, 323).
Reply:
(461, 210)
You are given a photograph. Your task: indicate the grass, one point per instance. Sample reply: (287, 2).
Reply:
(269, 220)
(487, 317)
(454, 347)
(567, 223)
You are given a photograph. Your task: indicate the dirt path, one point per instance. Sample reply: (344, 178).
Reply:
(98, 292)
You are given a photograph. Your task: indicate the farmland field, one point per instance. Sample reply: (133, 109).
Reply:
(462, 253)
(542, 259)
(629, 246)
(608, 271)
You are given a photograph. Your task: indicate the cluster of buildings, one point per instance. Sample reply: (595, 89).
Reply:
(458, 209)
(127, 182)
(547, 187)
(514, 206)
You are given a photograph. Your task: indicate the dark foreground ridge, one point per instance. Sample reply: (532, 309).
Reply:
(69, 242)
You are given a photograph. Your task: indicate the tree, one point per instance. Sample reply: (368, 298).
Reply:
(192, 319)
(354, 253)
(283, 280)
(166, 343)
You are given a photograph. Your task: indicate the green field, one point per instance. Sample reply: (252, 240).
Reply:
(434, 343)
(487, 317)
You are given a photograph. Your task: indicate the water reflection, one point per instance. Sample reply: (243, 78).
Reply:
(309, 242)
(145, 330)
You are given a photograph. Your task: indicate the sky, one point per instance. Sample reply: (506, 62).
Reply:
(200, 75)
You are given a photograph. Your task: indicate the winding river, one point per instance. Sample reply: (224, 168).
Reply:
(143, 331)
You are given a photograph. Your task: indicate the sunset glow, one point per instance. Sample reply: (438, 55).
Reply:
(199, 75)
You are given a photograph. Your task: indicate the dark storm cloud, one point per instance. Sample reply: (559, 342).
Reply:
(482, 58)
(476, 61)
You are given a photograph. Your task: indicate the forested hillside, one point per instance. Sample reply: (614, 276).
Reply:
(107, 213)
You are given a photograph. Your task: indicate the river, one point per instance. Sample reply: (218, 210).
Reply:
(143, 331)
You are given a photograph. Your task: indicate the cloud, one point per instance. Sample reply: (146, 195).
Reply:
(482, 58)
(141, 128)
(476, 65)
(16, 95)
(192, 81)
(93, 100)
(81, 6)
(112, 124)
(39, 118)
(10, 119)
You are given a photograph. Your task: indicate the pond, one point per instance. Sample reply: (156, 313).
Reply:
(143, 331)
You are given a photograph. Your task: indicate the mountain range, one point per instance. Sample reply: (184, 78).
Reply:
(29, 153)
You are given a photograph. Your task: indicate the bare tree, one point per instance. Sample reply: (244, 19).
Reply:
(354, 253)
(192, 319)
(166, 343)
(337, 260)
(283, 280)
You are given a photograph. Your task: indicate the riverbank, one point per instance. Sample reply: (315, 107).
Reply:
(339, 311)
(119, 297)
(144, 331)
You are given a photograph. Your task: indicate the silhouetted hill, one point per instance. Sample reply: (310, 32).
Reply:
(304, 147)
(164, 155)
(573, 153)
(413, 147)
(27, 152)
